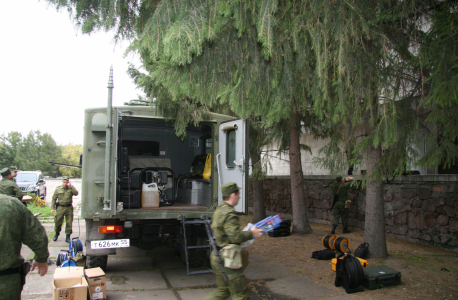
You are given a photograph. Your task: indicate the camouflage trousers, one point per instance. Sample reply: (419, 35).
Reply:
(236, 286)
(62, 212)
(340, 212)
(10, 287)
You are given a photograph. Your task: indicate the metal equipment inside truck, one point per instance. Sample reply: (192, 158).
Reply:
(140, 182)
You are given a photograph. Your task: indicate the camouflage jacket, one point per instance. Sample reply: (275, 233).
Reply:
(9, 187)
(226, 227)
(19, 226)
(343, 192)
(64, 194)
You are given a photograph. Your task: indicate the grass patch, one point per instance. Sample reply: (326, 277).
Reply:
(44, 210)
(439, 259)
(416, 260)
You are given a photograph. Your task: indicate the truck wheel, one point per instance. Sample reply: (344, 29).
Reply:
(44, 195)
(97, 261)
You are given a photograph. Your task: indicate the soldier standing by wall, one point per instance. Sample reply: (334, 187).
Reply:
(225, 225)
(64, 208)
(19, 226)
(8, 186)
(341, 208)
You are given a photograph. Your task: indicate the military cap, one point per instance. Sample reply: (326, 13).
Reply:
(5, 171)
(64, 177)
(229, 188)
(13, 168)
(339, 178)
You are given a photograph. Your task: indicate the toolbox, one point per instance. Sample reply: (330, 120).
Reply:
(363, 262)
(381, 276)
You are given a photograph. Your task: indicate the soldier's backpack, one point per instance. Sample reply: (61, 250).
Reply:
(325, 254)
(361, 251)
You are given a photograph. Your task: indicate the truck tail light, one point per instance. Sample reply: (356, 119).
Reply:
(110, 229)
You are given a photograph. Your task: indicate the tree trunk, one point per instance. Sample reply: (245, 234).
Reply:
(259, 207)
(374, 232)
(300, 219)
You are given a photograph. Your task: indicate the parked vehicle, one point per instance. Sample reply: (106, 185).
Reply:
(32, 182)
(137, 185)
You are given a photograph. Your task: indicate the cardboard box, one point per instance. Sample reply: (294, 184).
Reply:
(97, 283)
(69, 284)
(70, 288)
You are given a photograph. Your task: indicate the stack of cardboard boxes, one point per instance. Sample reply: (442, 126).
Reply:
(75, 283)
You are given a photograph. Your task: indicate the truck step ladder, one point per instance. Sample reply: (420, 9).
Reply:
(211, 243)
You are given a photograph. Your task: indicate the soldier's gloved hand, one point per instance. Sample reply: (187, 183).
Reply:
(42, 267)
(256, 232)
(52, 212)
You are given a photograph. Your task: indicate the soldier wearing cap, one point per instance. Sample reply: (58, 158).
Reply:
(340, 188)
(13, 170)
(8, 186)
(225, 225)
(19, 226)
(64, 194)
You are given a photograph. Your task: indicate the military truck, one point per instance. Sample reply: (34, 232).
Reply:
(141, 184)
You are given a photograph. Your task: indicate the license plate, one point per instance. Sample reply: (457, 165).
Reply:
(110, 244)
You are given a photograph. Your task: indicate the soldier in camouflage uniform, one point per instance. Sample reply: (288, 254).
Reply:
(19, 226)
(225, 225)
(8, 186)
(64, 194)
(340, 188)
(13, 170)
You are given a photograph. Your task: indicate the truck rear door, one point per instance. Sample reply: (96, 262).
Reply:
(232, 159)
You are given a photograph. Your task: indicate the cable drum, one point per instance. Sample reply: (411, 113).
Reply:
(60, 259)
(75, 247)
(328, 241)
(342, 244)
(353, 272)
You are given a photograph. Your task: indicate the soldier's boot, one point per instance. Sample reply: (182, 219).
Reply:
(333, 231)
(346, 230)
(67, 239)
(55, 237)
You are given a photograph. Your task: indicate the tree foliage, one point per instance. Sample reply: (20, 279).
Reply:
(35, 151)
(8, 148)
(374, 72)
(71, 155)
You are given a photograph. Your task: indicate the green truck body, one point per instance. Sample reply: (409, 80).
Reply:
(136, 143)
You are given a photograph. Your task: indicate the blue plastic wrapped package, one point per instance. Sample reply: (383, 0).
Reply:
(268, 224)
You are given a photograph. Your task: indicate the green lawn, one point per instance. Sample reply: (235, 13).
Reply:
(44, 210)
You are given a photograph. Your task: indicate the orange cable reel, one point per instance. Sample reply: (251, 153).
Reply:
(328, 241)
(342, 244)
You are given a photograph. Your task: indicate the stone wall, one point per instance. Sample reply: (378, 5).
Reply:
(422, 209)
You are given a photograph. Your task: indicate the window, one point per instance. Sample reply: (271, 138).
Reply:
(26, 177)
(208, 146)
(231, 144)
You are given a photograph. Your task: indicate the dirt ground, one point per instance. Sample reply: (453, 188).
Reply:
(427, 272)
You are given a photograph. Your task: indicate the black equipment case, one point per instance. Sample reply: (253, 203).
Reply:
(132, 181)
(279, 232)
(131, 199)
(381, 276)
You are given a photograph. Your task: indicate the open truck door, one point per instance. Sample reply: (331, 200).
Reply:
(232, 159)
